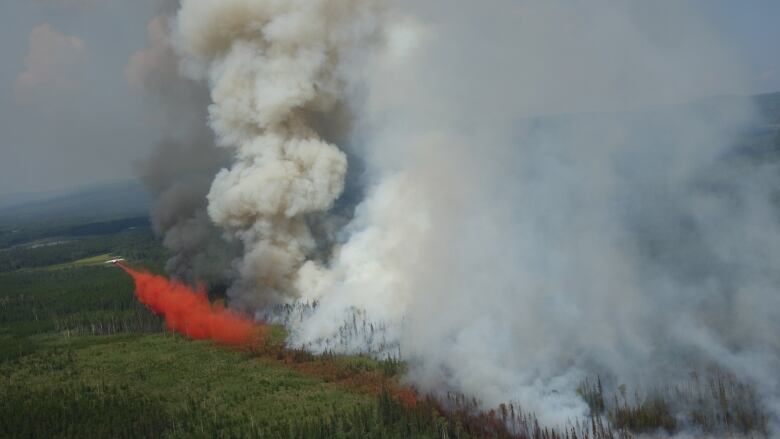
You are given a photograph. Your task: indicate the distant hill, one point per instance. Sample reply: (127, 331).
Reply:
(129, 198)
(105, 201)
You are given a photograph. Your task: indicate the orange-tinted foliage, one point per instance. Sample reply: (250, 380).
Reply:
(373, 382)
(190, 313)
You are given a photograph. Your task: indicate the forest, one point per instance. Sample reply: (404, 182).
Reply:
(80, 357)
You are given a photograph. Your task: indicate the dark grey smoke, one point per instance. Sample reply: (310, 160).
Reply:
(179, 175)
(180, 170)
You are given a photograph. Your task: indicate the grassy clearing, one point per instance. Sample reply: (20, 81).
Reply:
(84, 262)
(135, 244)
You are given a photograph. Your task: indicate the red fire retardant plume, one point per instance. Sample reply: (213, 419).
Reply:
(190, 313)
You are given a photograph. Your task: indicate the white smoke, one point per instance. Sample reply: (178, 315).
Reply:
(274, 68)
(511, 254)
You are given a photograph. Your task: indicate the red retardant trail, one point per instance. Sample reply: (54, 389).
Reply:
(190, 313)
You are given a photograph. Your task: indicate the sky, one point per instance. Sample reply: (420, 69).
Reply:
(71, 116)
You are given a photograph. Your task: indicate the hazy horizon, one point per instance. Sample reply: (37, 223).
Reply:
(72, 113)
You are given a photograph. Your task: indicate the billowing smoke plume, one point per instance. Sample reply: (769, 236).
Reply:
(510, 253)
(180, 170)
(276, 73)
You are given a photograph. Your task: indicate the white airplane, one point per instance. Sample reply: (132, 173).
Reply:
(114, 261)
